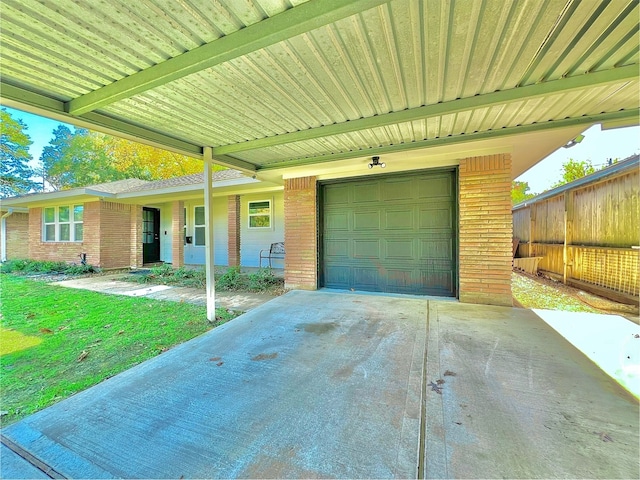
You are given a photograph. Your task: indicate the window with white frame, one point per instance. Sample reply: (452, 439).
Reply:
(63, 223)
(198, 227)
(260, 214)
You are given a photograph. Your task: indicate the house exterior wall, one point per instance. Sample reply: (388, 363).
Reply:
(177, 234)
(195, 255)
(485, 258)
(166, 235)
(115, 246)
(233, 226)
(135, 236)
(301, 233)
(17, 235)
(254, 240)
(66, 251)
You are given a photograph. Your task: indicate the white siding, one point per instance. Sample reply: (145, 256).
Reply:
(254, 240)
(195, 255)
(166, 238)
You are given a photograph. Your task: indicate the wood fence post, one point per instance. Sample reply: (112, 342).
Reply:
(568, 235)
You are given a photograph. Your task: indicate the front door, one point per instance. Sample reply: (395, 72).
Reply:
(150, 235)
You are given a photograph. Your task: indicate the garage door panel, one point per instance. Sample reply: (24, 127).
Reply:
(363, 221)
(339, 195)
(436, 217)
(338, 276)
(401, 280)
(394, 233)
(366, 278)
(435, 186)
(366, 192)
(337, 249)
(399, 249)
(394, 190)
(440, 249)
(398, 219)
(366, 249)
(439, 283)
(337, 221)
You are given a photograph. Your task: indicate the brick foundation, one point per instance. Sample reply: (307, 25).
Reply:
(485, 230)
(301, 233)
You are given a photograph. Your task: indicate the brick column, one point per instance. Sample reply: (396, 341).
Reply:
(486, 230)
(136, 236)
(233, 229)
(300, 233)
(177, 234)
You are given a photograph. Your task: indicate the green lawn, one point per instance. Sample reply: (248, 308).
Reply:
(56, 341)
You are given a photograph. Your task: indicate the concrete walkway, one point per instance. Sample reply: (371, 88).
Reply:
(111, 284)
(320, 384)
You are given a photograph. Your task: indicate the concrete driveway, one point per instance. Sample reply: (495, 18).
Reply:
(324, 384)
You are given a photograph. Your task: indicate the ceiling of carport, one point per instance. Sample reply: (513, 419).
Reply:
(270, 84)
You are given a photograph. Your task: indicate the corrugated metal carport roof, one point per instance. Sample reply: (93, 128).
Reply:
(275, 83)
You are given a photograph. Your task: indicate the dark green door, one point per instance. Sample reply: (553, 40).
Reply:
(150, 235)
(392, 233)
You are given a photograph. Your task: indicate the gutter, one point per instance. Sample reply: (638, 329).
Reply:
(4, 234)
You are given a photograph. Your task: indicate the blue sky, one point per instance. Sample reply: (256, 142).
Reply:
(597, 146)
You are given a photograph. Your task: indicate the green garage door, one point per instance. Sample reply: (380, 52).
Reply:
(392, 233)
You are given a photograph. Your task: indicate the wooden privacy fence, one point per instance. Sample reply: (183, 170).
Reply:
(587, 232)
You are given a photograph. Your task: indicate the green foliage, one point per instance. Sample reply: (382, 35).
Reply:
(573, 170)
(262, 280)
(83, 161)
(15, 172)
(167, 275)
(519, 192)
(232, 279)
(52, 156)
(27, 267)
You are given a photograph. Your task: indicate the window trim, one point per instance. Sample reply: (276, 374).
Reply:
(72, 222)
(250, 215)
(196, 226)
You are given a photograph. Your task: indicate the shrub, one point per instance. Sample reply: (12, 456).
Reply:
(231, 280)
(262, 280)
(26, 266)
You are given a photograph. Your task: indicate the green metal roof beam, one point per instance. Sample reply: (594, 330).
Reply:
(469, 137)
(295, 21)
(22, 99)
(615, 75)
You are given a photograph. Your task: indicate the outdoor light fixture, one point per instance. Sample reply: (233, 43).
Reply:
(574, 142)
(375, 162)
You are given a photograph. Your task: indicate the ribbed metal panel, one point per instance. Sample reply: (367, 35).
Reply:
(401, 55)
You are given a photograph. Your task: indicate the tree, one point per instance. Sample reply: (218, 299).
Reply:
(137, 160)
(15, 172)
(52, 155)
(519, 192)
(85, 161)
(573, 170)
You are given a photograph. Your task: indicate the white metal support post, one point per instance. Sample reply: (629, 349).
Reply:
(208, 228)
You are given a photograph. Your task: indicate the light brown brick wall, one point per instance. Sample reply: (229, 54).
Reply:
(177, 234)
(115, 245)
(63, 251)
(300, 234)
(135, 236)
(17, 235)
(485, 230)
(233, 229)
